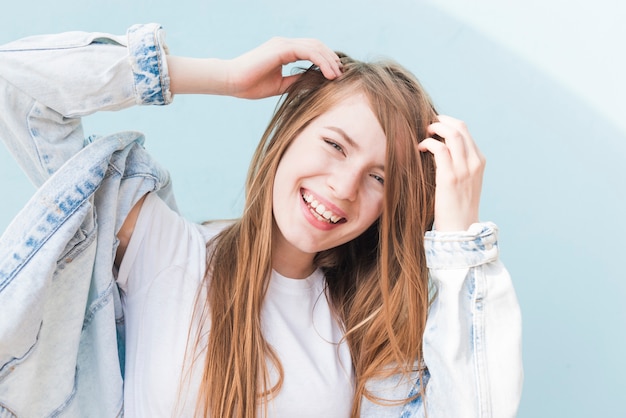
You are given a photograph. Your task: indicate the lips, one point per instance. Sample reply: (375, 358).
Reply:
(321, 211)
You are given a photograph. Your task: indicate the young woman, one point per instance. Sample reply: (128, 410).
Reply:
(357, 282)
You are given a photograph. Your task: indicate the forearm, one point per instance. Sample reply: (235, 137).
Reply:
(198, 75)
(255, 74)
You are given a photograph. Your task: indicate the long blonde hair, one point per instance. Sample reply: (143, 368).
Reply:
(377, 283)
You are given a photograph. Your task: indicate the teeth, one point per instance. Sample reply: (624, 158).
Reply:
(319, 210)
(319, 217)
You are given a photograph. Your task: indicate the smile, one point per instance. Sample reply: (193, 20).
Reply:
(320, 211)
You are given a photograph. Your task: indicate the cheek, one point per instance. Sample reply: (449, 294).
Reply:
(372, 209)
(377, 203)
(280, 178)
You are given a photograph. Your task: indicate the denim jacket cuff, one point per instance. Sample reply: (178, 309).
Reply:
(147, 51)
(454, 250)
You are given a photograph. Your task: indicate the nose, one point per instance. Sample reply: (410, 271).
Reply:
(345, 184)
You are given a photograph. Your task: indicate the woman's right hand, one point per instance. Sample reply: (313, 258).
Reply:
(253, 75)
(459, 176)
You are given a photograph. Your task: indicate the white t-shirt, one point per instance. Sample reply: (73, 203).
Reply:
(159, 277)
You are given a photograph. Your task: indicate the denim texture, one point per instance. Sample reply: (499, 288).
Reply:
(61, 323)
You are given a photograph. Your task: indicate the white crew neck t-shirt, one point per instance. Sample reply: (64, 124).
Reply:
(159, 278)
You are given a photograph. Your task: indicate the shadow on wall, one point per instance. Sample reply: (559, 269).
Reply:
(552, 181)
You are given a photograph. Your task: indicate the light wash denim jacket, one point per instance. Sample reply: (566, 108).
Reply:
(61, 324)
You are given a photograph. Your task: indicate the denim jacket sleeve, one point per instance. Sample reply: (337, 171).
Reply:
(61, 326)
(472, 340)
(48, 82)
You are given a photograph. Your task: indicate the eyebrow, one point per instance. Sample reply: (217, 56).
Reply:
(351, 142)
(345, 136)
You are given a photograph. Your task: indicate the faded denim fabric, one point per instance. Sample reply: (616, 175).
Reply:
(60, 310)
(61, 322)
(472, 342)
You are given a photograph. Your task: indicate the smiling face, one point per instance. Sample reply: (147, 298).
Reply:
(328, 187)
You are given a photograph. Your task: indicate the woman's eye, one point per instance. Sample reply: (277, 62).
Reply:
(334, 145)
(378, 178)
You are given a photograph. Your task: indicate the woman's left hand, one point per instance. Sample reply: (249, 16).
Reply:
(259, 73)
(460, 168)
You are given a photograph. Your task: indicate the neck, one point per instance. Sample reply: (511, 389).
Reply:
(288, 260)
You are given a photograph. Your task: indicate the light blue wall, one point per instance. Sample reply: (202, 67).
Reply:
(555, 161)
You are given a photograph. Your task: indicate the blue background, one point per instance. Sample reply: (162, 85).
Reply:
(539, 84)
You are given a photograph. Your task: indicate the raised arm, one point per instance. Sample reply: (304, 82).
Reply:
(47, 83)
(472, 340)
(253, 75)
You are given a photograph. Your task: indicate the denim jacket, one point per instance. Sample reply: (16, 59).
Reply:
(61, 323)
